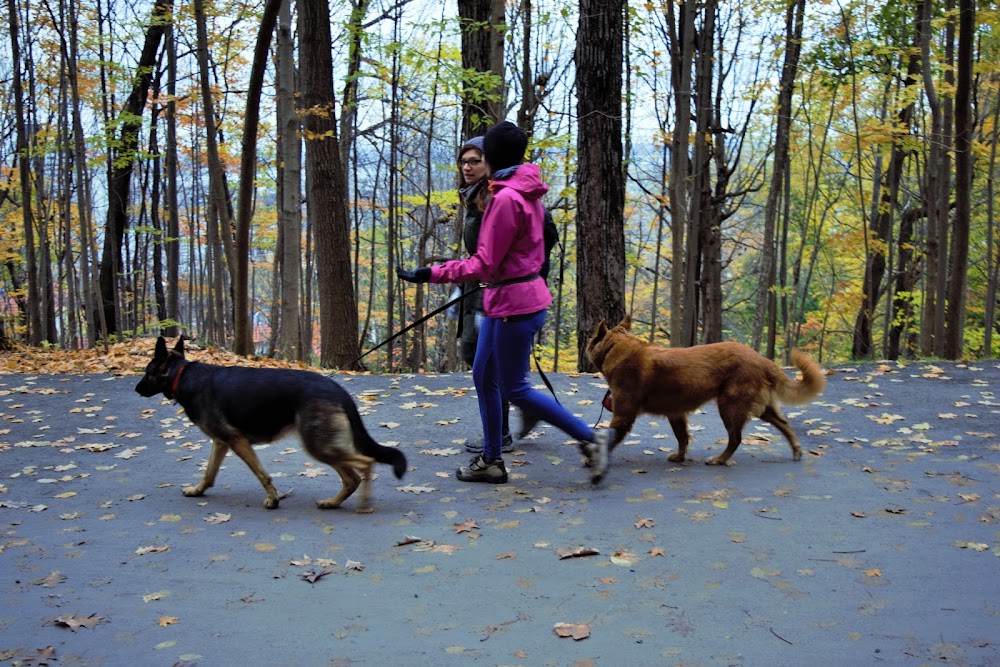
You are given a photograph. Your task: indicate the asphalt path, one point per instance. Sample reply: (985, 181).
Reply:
(882, 546)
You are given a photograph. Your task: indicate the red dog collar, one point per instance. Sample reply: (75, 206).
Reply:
(176, 383)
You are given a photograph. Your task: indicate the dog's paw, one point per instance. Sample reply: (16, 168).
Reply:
(716, 461)
(193, 491)
(676, 458)
(366, 509)
(270, 503)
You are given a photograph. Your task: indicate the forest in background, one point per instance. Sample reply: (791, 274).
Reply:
(784, 173)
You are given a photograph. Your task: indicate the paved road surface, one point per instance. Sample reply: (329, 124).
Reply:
(882, 546)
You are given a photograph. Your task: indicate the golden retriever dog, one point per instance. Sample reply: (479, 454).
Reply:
(673, 382)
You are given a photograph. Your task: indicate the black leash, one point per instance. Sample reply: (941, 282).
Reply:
(545, 378)
(423, 319)
(445, 307)
(607, 395)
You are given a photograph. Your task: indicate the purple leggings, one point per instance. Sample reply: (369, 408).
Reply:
(500, 372)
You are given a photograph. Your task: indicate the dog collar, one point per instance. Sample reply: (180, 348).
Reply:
(176, 382)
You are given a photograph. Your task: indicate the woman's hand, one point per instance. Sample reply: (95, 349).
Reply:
(421, 275)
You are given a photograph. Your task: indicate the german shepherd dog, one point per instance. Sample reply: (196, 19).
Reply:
(673, 382)
(238, 406)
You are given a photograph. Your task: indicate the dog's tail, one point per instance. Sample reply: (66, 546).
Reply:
(388, 455)
(794, 392)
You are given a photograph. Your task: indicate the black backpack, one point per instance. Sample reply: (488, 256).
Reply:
(551, 235)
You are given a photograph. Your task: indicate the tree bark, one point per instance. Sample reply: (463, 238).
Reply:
(290, 195)
(600, 203)
(34, 312)
(243, 316)
(123, 162)
(483, 24)
(782, 141)
(682, 41)
(327, 198)
(959, 261)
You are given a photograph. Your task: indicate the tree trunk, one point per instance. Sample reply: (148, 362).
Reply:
(959, 261)
(243, 316)
(601, 190)
(220, 210)
(172, 242)
(782, 141)
(483, 24)
(863, 346)
(290, 194)
(123, 161)
(327, 199)
(34, 312)
(682, 41)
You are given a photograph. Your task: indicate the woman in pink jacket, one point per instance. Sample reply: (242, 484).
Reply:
(515, 298)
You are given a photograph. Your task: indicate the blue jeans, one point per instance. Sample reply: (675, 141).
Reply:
(500, 372)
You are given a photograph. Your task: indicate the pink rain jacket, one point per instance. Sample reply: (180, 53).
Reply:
(511, 245)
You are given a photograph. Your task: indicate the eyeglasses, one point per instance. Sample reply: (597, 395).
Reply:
(471, 162)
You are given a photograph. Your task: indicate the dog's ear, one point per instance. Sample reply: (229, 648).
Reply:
(626, 323)
(161, 348)
(179, 347)
(600, 331)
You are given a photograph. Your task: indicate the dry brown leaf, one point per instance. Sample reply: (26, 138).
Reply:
(466, 526)
(76, 622)
(52, 579)
(576, 553)
(312, 576)
(577, 631)
(644, 522)
(416, 489)
(142, 551)
(164, 621)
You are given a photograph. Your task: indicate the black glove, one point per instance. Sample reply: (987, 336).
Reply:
(421, 275)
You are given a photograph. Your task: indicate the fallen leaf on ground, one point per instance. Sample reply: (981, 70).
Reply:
(312, 576)
(625, 558)
(142, 551)
(52, 579)
(448, 451)
(577, 631)
(466, 526)
(75, 622)
(416, 489)
(576, 553)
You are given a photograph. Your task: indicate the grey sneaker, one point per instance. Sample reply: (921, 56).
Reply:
(596, 451)
(479, 470)
(476, 447)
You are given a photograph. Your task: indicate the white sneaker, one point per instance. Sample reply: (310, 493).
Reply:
(596, 452)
